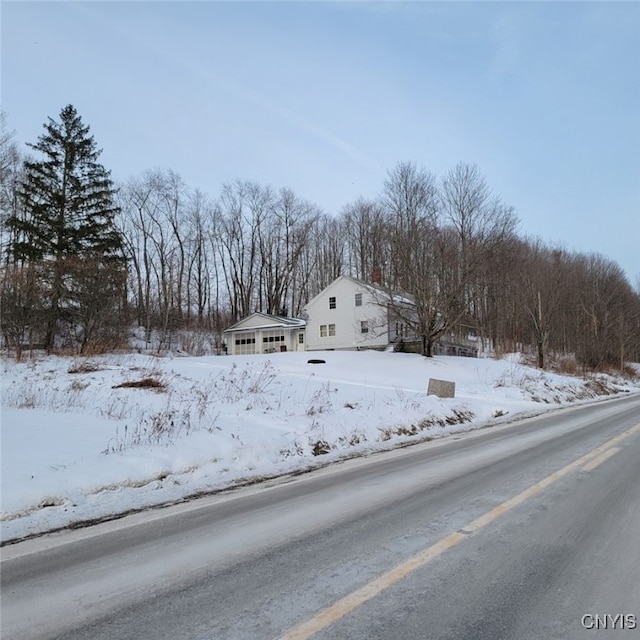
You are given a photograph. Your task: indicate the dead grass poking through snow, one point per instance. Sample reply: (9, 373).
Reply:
(143, 383)
(84, 367)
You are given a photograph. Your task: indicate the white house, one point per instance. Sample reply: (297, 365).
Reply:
(347, 314)
(264, 333)
(350, 314)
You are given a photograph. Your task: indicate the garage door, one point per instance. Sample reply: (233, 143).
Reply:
(245, 344)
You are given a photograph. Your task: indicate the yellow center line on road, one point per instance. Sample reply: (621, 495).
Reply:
(357, 598)
(596, 462)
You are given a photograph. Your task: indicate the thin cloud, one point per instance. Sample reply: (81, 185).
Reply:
(245, 93)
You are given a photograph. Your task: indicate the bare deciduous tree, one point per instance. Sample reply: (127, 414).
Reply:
(283, 237)
(367, 239)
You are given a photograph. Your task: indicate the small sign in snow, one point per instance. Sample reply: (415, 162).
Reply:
(441, 388)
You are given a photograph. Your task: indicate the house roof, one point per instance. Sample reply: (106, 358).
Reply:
(265, 321)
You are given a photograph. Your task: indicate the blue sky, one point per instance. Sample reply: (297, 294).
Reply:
(326, 97)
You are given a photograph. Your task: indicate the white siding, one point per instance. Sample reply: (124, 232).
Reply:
(347, 318)
(254, 321)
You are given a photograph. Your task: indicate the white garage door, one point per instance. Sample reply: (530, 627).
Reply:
(245, 344)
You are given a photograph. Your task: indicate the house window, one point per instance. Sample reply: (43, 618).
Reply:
(358, 299)
(301, 338)
(364, 326)
(327, 330)
(332, 302)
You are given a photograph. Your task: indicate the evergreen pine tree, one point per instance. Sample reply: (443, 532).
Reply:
(68, 214)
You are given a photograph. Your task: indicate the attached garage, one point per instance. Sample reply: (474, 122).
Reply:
(264, 333)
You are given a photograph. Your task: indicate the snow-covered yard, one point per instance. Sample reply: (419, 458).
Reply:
(85, 439)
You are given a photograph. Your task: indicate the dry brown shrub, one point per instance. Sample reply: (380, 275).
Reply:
(143, 383)
(567, 365)
(84, 367)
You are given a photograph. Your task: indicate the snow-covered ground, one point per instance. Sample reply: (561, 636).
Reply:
(77, 446)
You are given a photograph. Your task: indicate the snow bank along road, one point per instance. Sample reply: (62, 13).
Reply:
(527, 531)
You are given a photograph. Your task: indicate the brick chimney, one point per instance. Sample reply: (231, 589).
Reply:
(376, 276)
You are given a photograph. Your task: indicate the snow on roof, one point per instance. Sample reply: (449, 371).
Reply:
(270, 321)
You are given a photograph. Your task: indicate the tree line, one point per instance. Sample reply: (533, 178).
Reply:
(84, 259)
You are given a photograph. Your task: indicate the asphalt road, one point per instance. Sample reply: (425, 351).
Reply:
(529, 531)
